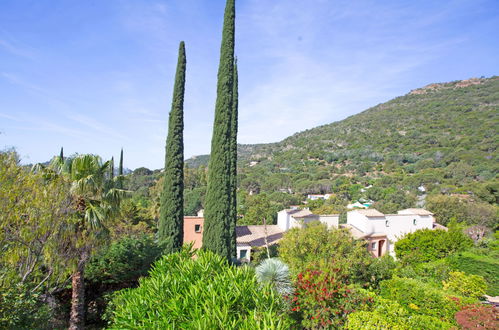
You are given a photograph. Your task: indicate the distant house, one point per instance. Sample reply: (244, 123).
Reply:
(381, 231)
(314, 197)
(257, 236)
(193, 229)
(292, 218)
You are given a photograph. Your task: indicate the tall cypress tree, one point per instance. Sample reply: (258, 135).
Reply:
(171, 218)
(61, 155)
(216, 234)
(233, 163)
(111, 169)
(120, 170)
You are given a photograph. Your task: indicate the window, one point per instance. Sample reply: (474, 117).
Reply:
(373, 246)
(243, 254)
(387, 224)
(414, 222)
(197, 228)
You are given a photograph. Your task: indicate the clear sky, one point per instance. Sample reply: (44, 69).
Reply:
(94, 76)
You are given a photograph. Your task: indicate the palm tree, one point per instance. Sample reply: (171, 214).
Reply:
(95, 203)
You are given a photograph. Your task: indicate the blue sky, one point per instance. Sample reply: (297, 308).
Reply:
(94, 76)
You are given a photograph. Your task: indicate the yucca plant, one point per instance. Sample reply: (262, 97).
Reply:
(275, 273)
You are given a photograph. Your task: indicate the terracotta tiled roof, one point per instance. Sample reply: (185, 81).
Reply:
(358, 234)
(370, 213)
(255, 235)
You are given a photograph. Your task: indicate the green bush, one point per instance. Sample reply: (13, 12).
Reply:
(473, 286)
(124, 260)
(22, 309)
(381, 269)
(483, 265)
(429, 245)
(301, 247)
(202, 293)
(388, 314)
(423, 299)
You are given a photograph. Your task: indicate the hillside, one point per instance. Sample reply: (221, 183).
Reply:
(456, 118)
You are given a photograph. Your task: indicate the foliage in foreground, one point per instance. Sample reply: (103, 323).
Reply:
(387, 314)
(478, 316)
(21, 308)
(203, 293)
(322, 298)
(275, 273)
(423, 299)
(473, 286)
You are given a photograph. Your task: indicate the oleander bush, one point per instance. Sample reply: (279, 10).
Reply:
(201, 293)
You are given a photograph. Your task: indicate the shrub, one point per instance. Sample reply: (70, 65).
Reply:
(203, 293)
(478, 316)
(301, 247)
(321, 297)
(387, 314)
(429, 245)
(423, 299)
(478, 264)
(22, 309)
(124, 260)
(275, 273)
(381, 269)
(473, 286)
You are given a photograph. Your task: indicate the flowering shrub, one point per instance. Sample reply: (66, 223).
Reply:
(423, 299)
(478, 316)
(388, 314)
(323, 298)
(467, 285)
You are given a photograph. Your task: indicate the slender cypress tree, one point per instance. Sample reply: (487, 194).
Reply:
(171, 218)
(120, 170)
(233, 163)
(111, 169)
(216, 234)
(61, 155)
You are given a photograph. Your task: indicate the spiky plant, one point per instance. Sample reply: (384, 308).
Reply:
(276, 273)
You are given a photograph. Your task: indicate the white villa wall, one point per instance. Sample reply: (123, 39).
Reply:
(332, 221)
(283, 220)
(358, 220)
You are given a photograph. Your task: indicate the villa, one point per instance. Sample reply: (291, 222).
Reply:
(381, 231)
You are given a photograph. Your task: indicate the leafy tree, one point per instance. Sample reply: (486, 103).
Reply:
(176, 293)
(171, 219)
(216, 235)
(34, 212)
